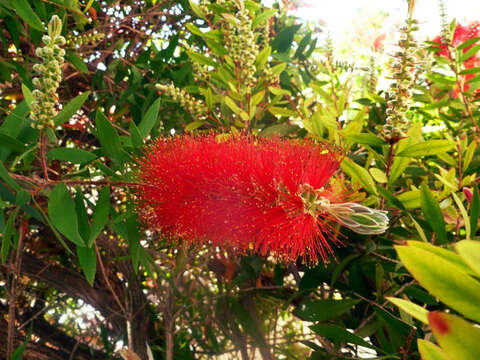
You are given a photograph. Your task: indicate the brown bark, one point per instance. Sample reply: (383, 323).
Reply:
(72, 283)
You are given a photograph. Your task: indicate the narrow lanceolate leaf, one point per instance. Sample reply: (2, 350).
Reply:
(61, 210)
(459, 339)
(443, 280)
(149, 119)
(88, 262)
(7, 235)
(340, 335)
(463, 211)
(320, 310)
(196, 9)
(430, 147)
(76, 156)
(430, 351)
(410, 308)
(70, 109)
(359, 174)
(25, 11)
(108, 137)
(4, 175)
(454, 259)
(433, 214)
(469, 251)
(100, 215)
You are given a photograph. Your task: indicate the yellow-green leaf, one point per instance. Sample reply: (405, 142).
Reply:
(459, 339)
(61, 210)
(430, 351)
(410, 308)
(430, 147)
(469, 251)
(433, 214)
(455, 288)
(359, 174)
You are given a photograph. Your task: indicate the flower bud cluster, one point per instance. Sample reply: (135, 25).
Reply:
(242, 46)
(400, 92)
(78, 41)
(45, 97)
(194, 106)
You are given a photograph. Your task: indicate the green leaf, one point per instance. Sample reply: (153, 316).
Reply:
(430, 351)
(430, 147)
(366, 139)
(8, 142)
(71, 108)
(100, 215)
(262, 57)
(194, 125)
(108, 137)
(280, 111)
(463, 211)
(459, 339)
(196, 9)
(475, 210)
(393, 200)
(443, 280)
(410, 308)
(284, 39)
(201, 59)
(359, 174)
(261, 18)
(433, 214)
(469, 53)
(87, 258)
(448, 255)
(468, 43)
(473, 70)
(378, 175)
(27, 95)
(7, 235)
(76, 156)
(25, 11)
(149, 119)
(61, 210)
(469, 250)
(135, 136)
(77, 62)
(82, 217)
(320, 310)
(340, 335)
(5, 176)
(468, 155)
(234, 107)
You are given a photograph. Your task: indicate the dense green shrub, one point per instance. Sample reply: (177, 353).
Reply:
(85, 85)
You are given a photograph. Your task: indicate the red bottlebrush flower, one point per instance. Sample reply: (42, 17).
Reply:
(460, 35)
(379, 41)
(265, 195)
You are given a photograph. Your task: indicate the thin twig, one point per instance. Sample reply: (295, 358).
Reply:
(109, 285)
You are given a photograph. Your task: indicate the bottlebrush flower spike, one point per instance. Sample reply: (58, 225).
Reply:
(266, 195)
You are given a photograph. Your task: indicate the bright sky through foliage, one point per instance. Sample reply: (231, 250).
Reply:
(342, 16)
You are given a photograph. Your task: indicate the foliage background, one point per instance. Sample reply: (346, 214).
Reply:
(81, 277)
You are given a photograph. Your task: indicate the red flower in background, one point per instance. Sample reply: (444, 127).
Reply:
(460, 35)
(265, 195)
